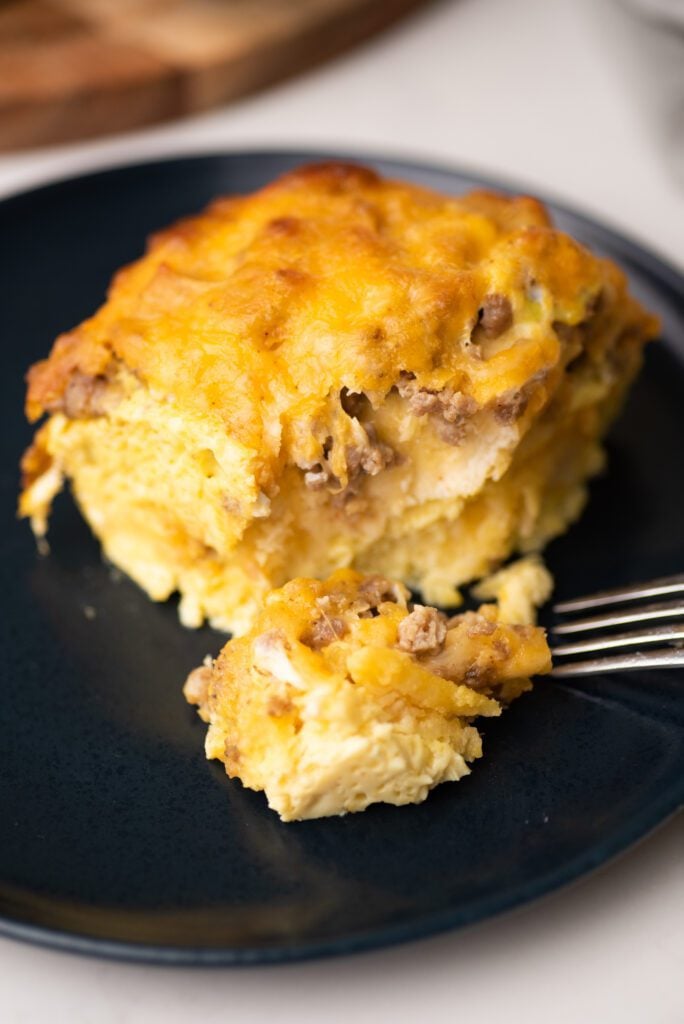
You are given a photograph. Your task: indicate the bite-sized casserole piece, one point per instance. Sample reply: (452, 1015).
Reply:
(338, 370)
(342, 694)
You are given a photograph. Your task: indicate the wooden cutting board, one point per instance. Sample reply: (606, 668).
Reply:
(71, 69)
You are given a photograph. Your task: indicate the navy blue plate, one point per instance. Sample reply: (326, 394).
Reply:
(120, 839)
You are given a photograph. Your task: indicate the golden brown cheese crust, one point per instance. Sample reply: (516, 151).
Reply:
(263, 306)
(336, 370)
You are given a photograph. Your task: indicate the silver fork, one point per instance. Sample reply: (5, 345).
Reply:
(655, 627)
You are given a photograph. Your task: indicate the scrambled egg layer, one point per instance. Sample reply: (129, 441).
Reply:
(340, 695)
(338, 370)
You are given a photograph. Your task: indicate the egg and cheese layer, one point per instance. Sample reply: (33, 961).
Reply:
(342, 694)
(338, 370)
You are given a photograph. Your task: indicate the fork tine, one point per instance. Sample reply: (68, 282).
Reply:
(647, 613)
(652, 635)
(671, 657)
(653, 588)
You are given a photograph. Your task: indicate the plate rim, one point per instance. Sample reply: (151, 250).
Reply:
(642, 253)
(547, 884)
(639, 826)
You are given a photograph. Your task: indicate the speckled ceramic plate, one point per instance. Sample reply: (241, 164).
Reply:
(119, 838)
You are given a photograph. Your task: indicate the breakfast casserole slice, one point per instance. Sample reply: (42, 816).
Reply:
(342, 694)
(338, 370)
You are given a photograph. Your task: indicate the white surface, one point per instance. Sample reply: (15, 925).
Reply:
(606, 951)
(540, 91)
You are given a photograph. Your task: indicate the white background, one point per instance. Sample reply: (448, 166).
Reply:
(551, 93)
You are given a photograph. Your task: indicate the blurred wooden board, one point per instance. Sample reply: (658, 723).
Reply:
(73, 69)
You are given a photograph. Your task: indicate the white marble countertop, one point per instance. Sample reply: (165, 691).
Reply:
(548, 93)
